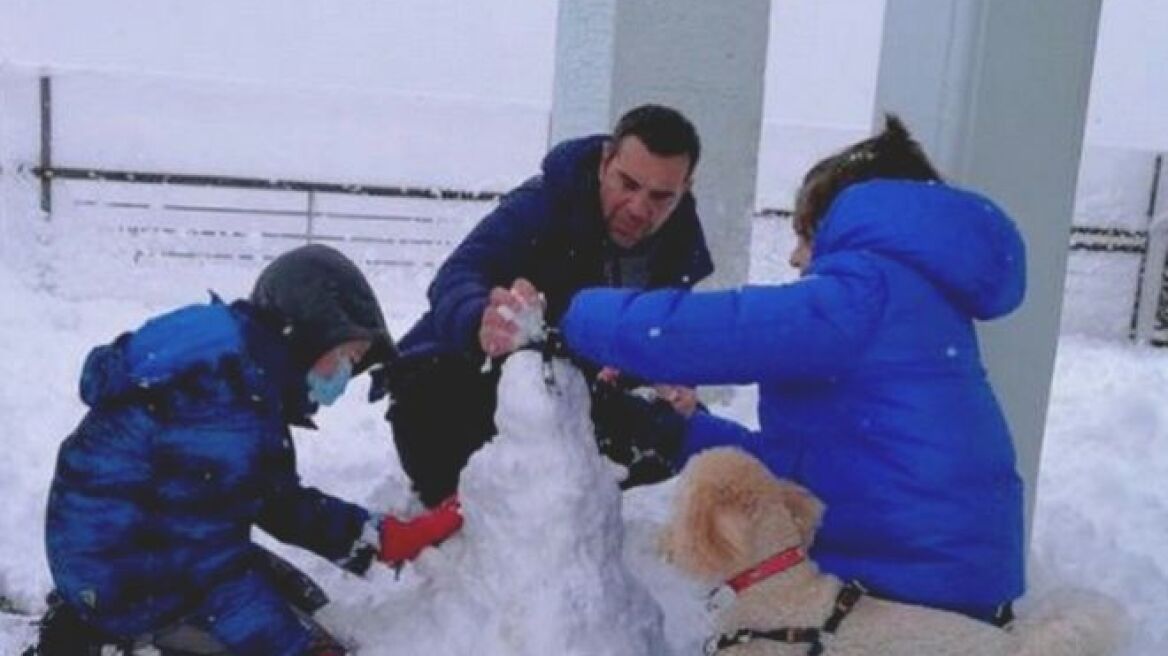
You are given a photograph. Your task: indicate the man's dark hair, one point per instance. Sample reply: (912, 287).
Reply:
(663, 130)
(891, 154)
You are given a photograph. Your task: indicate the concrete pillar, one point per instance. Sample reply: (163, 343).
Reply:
(997, 90)
(705, 58)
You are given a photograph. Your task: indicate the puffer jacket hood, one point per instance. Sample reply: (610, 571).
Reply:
(320, 299)
(959, 240)
(165, 347)
(571, 166)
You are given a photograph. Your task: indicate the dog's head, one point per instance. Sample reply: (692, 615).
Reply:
(731, 512)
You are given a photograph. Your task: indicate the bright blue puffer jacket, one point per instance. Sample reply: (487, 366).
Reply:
(186, 447)
(872, 391)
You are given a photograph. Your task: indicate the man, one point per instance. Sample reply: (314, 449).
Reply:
(610, 210)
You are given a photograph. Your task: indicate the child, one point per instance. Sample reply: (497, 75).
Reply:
(186, 447)
(872, 392)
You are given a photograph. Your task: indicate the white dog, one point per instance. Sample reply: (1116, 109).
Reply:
(735, 522)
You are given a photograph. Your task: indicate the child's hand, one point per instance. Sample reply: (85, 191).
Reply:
(609, 375)
(683, 399)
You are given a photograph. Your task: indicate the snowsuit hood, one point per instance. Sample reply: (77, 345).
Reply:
(570, 167)
(185, 351)
(959, 240)
(320, 299)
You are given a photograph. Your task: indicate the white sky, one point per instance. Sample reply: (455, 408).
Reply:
(505, 51)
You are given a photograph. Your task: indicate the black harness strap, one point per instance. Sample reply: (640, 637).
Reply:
(845, 601)
(787, 635)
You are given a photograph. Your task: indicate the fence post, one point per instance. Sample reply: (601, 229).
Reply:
(46, 158)
(311, 215)
(1152, 268)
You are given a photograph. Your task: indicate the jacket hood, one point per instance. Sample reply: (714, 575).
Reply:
(960, 240)
(571, 166)
(196, 348)
(319, 299)
(167, 347)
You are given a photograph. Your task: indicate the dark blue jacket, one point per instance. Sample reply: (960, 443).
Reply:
(550, 231)
(186, 447)
(872, 391)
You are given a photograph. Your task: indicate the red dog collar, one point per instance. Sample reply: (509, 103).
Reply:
(776, 564)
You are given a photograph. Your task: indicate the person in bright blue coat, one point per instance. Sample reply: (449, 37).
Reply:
(605, 210)
(872, 391)
(186, 447)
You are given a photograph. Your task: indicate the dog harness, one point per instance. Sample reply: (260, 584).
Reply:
(849, 595)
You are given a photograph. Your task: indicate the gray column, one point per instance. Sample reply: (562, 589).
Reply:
(705, 58)
(997, 92)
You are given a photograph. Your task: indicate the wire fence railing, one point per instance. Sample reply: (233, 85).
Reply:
(208, 217)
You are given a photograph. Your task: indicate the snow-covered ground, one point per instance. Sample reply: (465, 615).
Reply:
(1101, 519)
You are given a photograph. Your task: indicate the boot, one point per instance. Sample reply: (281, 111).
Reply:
(64, 633)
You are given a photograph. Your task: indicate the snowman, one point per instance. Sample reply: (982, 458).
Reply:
(537, 567)
(543, 518)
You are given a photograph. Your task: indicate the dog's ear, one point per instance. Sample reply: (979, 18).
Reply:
(711, 529)
(806, 510)
(711, 537)
(731, 533)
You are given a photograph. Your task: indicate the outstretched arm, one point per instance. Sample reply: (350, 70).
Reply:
(309, 518)
(810, 329)
(497, 252)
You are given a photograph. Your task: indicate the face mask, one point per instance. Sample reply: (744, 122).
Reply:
(325, 390)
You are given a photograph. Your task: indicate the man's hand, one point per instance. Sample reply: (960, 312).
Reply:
(404, 540)
(502, 329)
(683, 399)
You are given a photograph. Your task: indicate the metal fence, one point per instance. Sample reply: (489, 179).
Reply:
(167, 217)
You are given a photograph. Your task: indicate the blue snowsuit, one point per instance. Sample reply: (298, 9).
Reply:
(186, 447)
(871, 387)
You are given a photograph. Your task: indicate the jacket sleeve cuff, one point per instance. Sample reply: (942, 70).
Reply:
(706, 431)
(590, 325)
(365, 547)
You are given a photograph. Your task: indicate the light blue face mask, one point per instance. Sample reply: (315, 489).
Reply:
(325, 390)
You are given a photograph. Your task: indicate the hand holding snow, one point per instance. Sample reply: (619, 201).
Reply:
(512, 319)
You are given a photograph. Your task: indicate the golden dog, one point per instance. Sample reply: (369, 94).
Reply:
(735, 523)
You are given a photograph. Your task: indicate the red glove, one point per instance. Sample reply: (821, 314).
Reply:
(404, 540)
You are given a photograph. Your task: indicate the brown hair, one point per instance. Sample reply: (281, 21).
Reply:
(891, 154)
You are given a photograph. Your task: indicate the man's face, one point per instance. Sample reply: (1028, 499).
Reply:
(638, 189)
